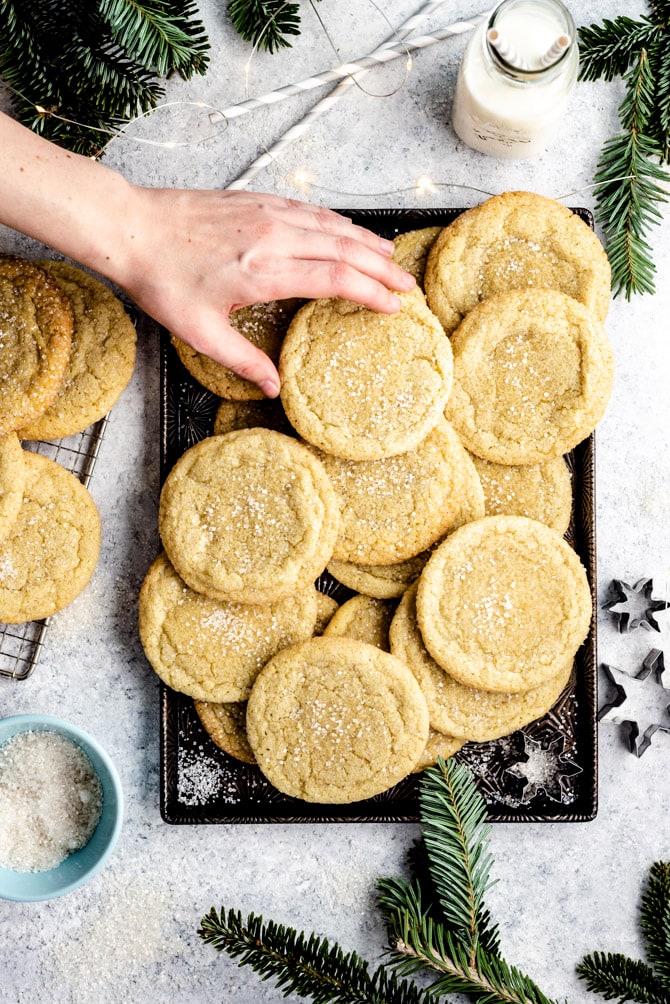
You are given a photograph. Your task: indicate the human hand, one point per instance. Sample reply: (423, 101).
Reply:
(193, 256)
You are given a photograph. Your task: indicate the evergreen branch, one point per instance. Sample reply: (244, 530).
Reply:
(659, 125)
(81, 68)
(309, 967)
(418, 943)
(608, 50)
(159, 35)
(455, 834)
(266, 23)
(628, 191)
(655, 920)
(661, 11)
(618, 978)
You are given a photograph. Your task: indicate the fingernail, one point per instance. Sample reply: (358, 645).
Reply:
(395, 303)
(386, 247)
(270, 388)
(408, 281)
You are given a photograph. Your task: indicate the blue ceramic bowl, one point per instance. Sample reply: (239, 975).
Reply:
(79, 867)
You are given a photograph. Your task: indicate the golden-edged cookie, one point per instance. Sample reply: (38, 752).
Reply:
(459, 710)
(234, 415)
(533, 372)
(539, 491)
(438, 745)
(363, 385)
(411, 250)
(394, 508)
(52, 547)
(101, 360)
(262, 324)
(390, 581)
(35, 339)
(516, 240)
(364, 618)
(214, 650)
(226, 725)
(382, 581)
(503, 604)
(12, 481)
(335, 720)
(325, 608)
(249, 517)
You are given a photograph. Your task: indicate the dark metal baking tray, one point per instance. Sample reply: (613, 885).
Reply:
(202, 784)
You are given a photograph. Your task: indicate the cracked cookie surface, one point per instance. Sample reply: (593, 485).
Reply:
(35, 338)
(533, 372)
(249, 517)
(102, 357)
(394, 508)
(226, 725)
(53, 545)
(214, 650)
(363, 385)
(262, 324)
(503, 603)
(335, 720)
(12, 480)
(458, 710)
(539, 491)
(515, 240)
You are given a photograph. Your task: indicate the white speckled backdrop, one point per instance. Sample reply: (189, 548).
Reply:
(564, 889)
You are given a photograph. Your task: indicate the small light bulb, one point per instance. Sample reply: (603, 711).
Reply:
(302, 179)
(425, 186)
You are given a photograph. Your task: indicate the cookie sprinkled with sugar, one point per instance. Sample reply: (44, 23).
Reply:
(336, 720)
(248, 517)
(35, 338)
(214, 650)
(362, 385)
(503, 604)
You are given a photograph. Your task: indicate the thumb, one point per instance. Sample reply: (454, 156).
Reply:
(225, 345)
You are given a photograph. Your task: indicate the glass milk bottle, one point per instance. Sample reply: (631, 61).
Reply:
(516, 78)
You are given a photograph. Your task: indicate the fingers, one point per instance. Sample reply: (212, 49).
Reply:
(317, 279)
(306, 216)
(222, 343)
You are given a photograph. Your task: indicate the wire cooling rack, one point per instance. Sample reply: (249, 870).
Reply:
(21, 644)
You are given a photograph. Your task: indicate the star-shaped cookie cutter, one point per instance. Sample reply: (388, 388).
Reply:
(634, 606)
(637, 704)
(545, 769)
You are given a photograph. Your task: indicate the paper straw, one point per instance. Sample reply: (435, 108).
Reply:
(556, 50)
(326, 103)
(389, 50)
(505, 49)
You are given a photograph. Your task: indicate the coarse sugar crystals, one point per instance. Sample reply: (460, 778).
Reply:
(50, 800)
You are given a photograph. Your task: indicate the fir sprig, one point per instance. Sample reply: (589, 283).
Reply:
(630, 173)
(444, 926)
(92, 66)
(615, 976)
(266, 23)
(308, 966)
(437, 921)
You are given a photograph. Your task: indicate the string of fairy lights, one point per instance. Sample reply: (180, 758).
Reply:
(400, 45)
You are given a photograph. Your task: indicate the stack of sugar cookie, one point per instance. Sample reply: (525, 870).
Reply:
(67, 350)
(441, 432)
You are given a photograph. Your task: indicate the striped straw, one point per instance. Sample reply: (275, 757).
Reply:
(554, 53)
(389, 50)
(505, 49)
(381, 55)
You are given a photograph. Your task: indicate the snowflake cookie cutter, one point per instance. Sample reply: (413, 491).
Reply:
(546, 769)
(642, 707)
(634, 606)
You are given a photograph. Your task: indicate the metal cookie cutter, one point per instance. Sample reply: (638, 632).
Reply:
(643, 707)
(634, 606)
